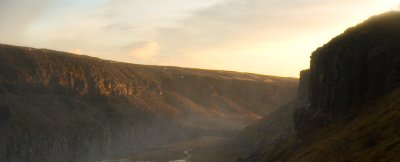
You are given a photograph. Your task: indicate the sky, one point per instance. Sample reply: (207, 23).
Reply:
(273, 37)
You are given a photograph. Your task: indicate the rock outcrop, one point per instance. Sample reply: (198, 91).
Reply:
(361, 64)
(302, 98)
(346, 110)
(56, 106)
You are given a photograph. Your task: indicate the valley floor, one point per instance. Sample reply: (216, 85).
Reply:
(174, 152)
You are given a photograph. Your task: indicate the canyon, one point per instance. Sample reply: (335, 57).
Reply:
(57, 106)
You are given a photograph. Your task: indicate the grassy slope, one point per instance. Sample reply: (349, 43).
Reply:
(371, 136)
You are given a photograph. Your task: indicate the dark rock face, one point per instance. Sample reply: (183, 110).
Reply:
(302, 109)
(361, 64)
(61, 107)
(4, 114)
(302, 98)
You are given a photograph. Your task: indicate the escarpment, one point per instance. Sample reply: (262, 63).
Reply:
(358, 66)
(302, 98)
(56, 106)
(347, 102)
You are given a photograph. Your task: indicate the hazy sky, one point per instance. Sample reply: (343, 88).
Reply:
(273, 37)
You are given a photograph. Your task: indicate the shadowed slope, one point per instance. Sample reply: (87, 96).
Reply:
(372, 136)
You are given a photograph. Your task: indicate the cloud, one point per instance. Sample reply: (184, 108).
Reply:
(142, 51)
(251, 20)
(17, 15)
(75, 51)
(262, 36)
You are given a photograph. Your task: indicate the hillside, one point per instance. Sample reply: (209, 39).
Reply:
(371, 136)
(57, 106)
(260, 137)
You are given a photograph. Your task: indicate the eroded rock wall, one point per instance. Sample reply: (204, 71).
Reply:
(361, 64)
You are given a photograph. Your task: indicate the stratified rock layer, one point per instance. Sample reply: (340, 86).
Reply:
(56, 106)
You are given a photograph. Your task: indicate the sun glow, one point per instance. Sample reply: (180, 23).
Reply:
(256, 36)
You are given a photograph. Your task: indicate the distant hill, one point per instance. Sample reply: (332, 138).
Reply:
(56, 106)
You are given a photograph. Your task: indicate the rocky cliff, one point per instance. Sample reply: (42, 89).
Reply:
(303, 94)
(353, 106)
(56, 106)
(361, 64)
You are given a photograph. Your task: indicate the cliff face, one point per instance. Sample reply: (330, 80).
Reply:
(347, 110)
(303, 94)
(361, 64)
(56, 106)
